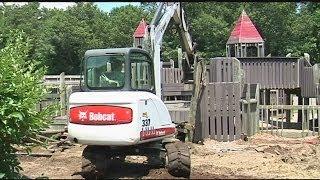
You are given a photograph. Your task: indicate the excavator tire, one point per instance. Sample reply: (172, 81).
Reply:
(178, 159)
(117, 160)
(94, 162)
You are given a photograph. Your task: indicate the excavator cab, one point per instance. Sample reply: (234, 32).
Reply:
(120, 69)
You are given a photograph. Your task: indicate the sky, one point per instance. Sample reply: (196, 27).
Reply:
(104, 6)
(107, 6)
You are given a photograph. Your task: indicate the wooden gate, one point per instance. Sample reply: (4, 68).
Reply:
(228, 107)
(220, 111)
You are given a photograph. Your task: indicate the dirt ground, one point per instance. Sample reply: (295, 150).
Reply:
(262, 156)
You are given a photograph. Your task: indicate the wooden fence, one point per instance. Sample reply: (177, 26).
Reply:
(222, 69)
(275, 122)
(271, 73)
(309, 77)
(228, 107)
(230, 100)
(226, 113)
(179, 115)
(220, 111)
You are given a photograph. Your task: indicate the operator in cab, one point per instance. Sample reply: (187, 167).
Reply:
(114, 78)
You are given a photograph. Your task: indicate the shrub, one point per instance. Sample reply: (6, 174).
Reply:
(21, 89)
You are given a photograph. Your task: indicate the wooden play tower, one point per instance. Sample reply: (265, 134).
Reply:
(245, 40)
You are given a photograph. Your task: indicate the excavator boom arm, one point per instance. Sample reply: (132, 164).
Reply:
(165, 12)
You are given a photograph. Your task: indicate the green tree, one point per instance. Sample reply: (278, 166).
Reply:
(123, 22)
(306, 34)
(27, 18)
(71, 33)
(275, 19)
(210, 25)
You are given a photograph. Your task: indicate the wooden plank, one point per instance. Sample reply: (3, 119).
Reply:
(281, 82)
(293, 73)
(237, 115)
(229, 70)
(162, 75)
(204, 109)
(252, 71)
(250, 120)
(231, 108)
(256, 73)
(243, 118)
(262, 75)
(288, 78)
(172, 87)
(259, 77)
(213, 110)
(219, 71)
(287, 74)
(298, 107)
(224, 74)
(318, 118)
(212, 71)
(225, 113)
(277, 71)
(249, 72)
(273, 73)
(166, 75)
(178, 116)
(303, 118)
(269, 85)
(175, 76)
(219, 94)
(233, 70)
(223, 70)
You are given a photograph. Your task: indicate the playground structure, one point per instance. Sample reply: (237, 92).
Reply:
(234, 103)
(243, 93)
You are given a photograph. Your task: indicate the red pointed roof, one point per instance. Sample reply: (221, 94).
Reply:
(140, 31)
(244, 31)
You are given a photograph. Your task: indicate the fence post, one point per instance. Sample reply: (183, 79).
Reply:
(256, 110)
(179, 58)
(62, 90)
(171, 63)
(249, 119)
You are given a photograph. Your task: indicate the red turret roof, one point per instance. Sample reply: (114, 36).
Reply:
(244, 31)
(140, 31)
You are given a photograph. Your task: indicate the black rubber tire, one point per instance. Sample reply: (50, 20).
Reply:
(94, 162)
(178, 159)
(117, 160)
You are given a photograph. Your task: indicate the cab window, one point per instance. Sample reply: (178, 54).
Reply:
(141, 72)
(105, 71)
